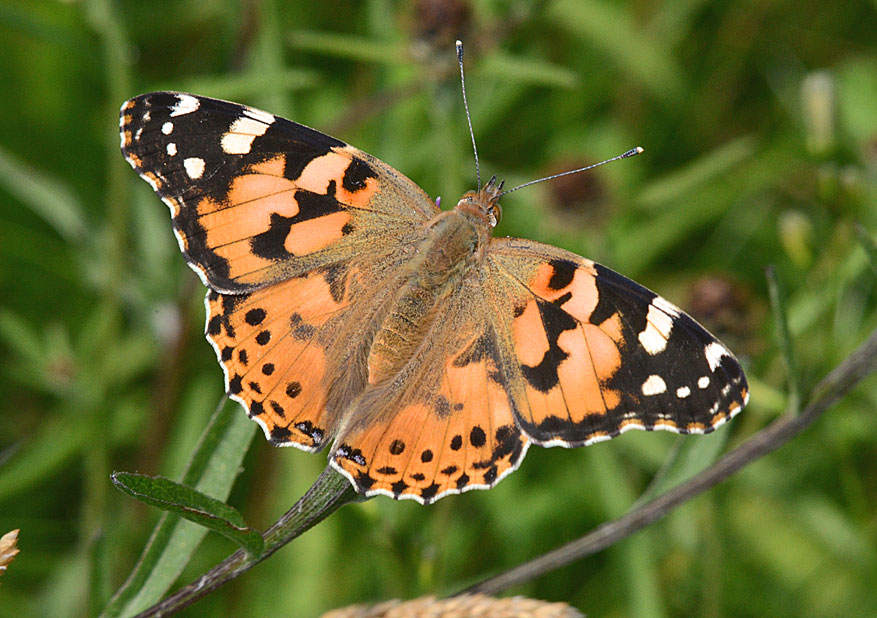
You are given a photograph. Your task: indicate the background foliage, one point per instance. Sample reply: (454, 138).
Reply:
(759, 122)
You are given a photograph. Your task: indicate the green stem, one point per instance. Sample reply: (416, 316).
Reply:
(330, 492)
(778, 305)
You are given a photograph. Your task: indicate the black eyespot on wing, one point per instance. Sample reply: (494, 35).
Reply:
(254, 317)
(477, 438)
(280, 435)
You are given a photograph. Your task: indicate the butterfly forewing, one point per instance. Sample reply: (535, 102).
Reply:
(257, 199)
(598, 354)
(277, 219)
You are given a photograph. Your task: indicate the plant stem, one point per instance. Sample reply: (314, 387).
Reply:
(778, 305)
(330, 492)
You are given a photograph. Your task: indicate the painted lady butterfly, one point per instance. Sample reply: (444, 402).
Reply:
(344, 306)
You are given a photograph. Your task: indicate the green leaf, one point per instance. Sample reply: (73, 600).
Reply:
(212, 469)
(191, 504)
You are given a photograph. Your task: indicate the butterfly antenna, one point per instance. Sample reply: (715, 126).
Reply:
(630, 153)
(466, 107)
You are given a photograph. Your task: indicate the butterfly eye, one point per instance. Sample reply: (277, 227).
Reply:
(495, 214)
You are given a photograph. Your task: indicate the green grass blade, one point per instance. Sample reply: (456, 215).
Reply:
(525, 70)
(778, 305)
(635, 557)
(34, 462)
(868, 244)
(358, 48)
(244, 87)
(47, 197)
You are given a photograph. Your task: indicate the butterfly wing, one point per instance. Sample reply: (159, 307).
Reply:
(540, 346)
(446, 424)
(257, 199)
(293, 232)
(301, 238)
(597, 354)
(268, 344)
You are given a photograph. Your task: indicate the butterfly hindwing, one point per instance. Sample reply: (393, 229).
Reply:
(448, 427)
(257, 199)
(268, 343)
(598, 354)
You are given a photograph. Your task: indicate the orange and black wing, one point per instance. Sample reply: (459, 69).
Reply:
(257, 199)
(446, 424)
(596, 354)
(283, 224)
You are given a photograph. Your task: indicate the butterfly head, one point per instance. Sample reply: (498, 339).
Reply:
(482, 206)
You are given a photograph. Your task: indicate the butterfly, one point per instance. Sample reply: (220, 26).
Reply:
(345, 307)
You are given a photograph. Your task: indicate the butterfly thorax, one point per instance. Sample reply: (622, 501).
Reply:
(452, 247)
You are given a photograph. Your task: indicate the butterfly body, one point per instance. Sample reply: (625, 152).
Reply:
(345, 307)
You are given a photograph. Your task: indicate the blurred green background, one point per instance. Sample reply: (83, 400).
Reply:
(759, 123)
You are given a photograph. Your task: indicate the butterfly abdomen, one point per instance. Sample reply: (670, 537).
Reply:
(441, 261)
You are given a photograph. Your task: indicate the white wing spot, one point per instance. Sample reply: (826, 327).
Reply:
(241, 134)
(167, 127)
(186, 104)
(258, 114)
(714, 353)
(654, 385)
(194, 167)
(665, 305)
(659, 324)
(703, 382)
(172, 149)
(682, 392)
